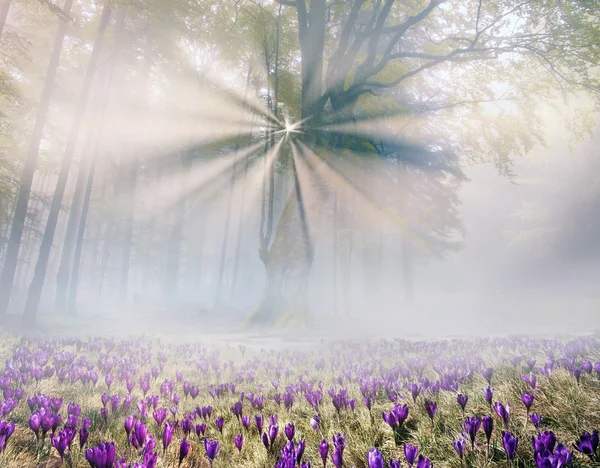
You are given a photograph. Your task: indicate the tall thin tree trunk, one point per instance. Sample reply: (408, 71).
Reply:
(109, 236)
(74, 284)
(131, 180)
(14, 243)
(64, 269)
(335, 254)
(4, 7)
(72, 299)
(200, 256)
(86, 167)
(407, 271)
(96, 236)
(238, 245)
(229, 204)
(149, 274)
(37, 284)
(171, 284)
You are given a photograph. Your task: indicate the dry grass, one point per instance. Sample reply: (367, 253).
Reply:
(568, 408)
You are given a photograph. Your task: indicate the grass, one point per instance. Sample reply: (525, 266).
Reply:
(568, 408)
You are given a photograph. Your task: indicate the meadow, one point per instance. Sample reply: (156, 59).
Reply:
(145, 402)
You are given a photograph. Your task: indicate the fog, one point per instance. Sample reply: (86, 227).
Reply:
(203, 190)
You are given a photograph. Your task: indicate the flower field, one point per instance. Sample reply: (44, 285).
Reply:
(140, 402)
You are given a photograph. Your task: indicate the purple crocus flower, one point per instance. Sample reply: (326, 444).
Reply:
(337, 457)
(184, 449)
(510, 444)
(273, 431)
(301, 446)
(315, 423)
(324, 451)
(35, 422)
(60, 441)
(536, 420)
(187, 425)
(561, 457)
(290, 430)
(471, 427)
(503, 412)
(460, 446)
(395, 463)
(410, 453)
(200, 429)
(265, 440)
(423, 462)
(101, 456)
(488, 427)
(374, 458)
(487, 374)
(401, 412)
(259, 421)
(246, 422)
(527, 399)
(236, 409)
(138, 436)
(238, 441)
(6, 430)
(128, 424)
(488, 394)
(84, 434)
(577, 373)
(108, 380)
(56, 404)
(415, 389)
(167, 436)
(160, 414)
(530, 380)
(587, 443)
(430, 408)
(462, 401)
(544, 442)
(390, 418)
(219, 422)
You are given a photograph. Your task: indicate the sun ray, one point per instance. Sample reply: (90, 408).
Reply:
(189, 183)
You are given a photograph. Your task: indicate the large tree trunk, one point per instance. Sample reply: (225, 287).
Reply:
(37, 284)
(20, 211)
(4, 7)
(289, 261)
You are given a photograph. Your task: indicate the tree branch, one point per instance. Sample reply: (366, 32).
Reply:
(364, 72)
(286, 2)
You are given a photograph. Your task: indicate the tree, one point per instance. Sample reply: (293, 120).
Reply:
(380, 50)
(20, 210)
(4, 8)
(37, 283)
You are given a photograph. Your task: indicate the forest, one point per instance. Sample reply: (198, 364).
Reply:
(245, 157)
(295, 233)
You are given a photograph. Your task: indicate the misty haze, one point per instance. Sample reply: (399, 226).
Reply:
(377, 219)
